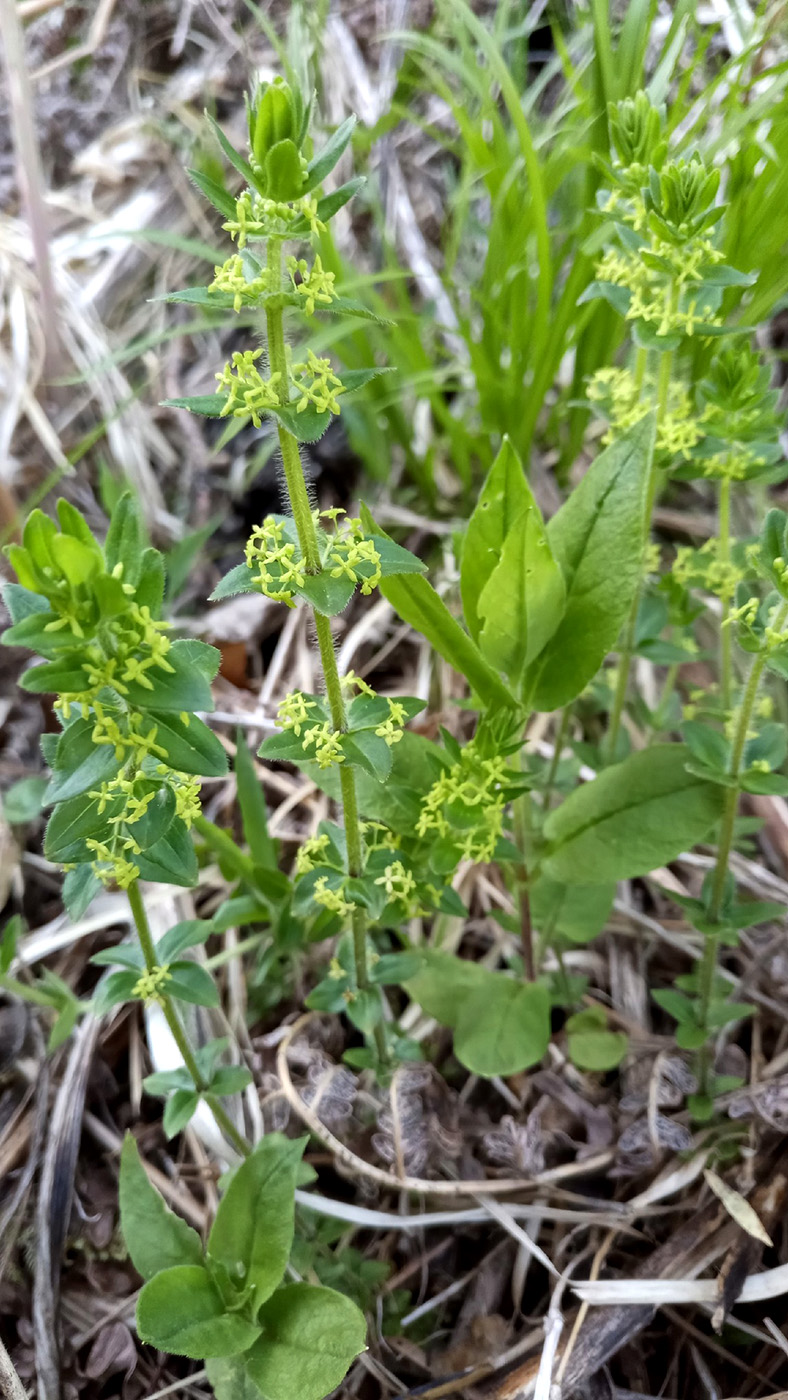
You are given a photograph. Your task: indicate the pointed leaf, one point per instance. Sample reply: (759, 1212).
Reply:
(253, 1229)
(310, 1338)
(155, 1236)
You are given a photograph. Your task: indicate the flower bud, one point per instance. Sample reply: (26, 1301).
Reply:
(273, 117)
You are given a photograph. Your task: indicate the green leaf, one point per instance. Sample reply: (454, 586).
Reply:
(206, 405)
(186, 685)
(253, 1230)
(597, 538)
(523, 600)
(125, 540)
(181, 1311)
(179, 1110)
(230, 1379)
(190, 745)
(190, 933)
(326, 594)
(235, 158)
(367, 750)
(591, 1045)
(72, 821)
(254, 813)
(80, 888)
(635, 816)
(395, 560)
(444, 983)
(80, 763)
(576, 912)
(188, 981)
(417, 603)
(215, 193)
(24, 800)
(504, 496)
(155, 1236)
(55, 678)
(172, 861)
(238, 580)
(503, 1027)
(310, 1338)
(325, 160)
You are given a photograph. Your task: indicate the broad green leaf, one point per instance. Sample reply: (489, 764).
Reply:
(310, 1338)
(504, 496)
(179, 1110)
(172, 861)
(523, 600)
(577, 912)
(369, 751)
(55, 677)
(326, 594)
(597, 538)
(24, 800)
(191, 746)
(80, 763)
(181, 1311)
(251, 799)
(591, 1045)
(189, 981)
(503, 1027)
(633, 817)
(253, 1230)
(444, 983)
(155, 1236)
(183, 687)
(80, 888)
(190, 933)
(71, 822)
(230, 1379)
(238, 580)
(417, 603)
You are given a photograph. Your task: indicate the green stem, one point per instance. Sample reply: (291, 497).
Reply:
(522, 826)
(628, 645)
(708, 964)
(662, 704)
(560, 738)
(308, 541)
(177, 1031)
(726, 660)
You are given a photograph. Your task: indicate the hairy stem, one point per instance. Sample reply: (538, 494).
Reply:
(308, 541)
(223, 1120)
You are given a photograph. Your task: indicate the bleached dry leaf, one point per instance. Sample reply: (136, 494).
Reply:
(739, 1209)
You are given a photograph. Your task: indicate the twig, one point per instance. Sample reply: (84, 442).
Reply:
(10, 1384)
(419, 1185)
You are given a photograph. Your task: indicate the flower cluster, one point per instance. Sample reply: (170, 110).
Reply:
(232, 277)
(625, 400)
(467, 804)
(316, 383)
(257, 217)
(248, 394)
(277, 561)
(704, 568)
(314, 283)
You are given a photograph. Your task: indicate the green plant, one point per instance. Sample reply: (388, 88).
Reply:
(544, 603)
(226, 1303)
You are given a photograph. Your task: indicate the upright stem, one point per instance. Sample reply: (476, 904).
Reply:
(708, 964)
(522, 824)
(308, 541)
(726, 662)
(628, 645)
(223, 1119)
(566, 715)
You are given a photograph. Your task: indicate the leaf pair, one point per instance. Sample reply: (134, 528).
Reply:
(224, 1305)
(546, 603)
